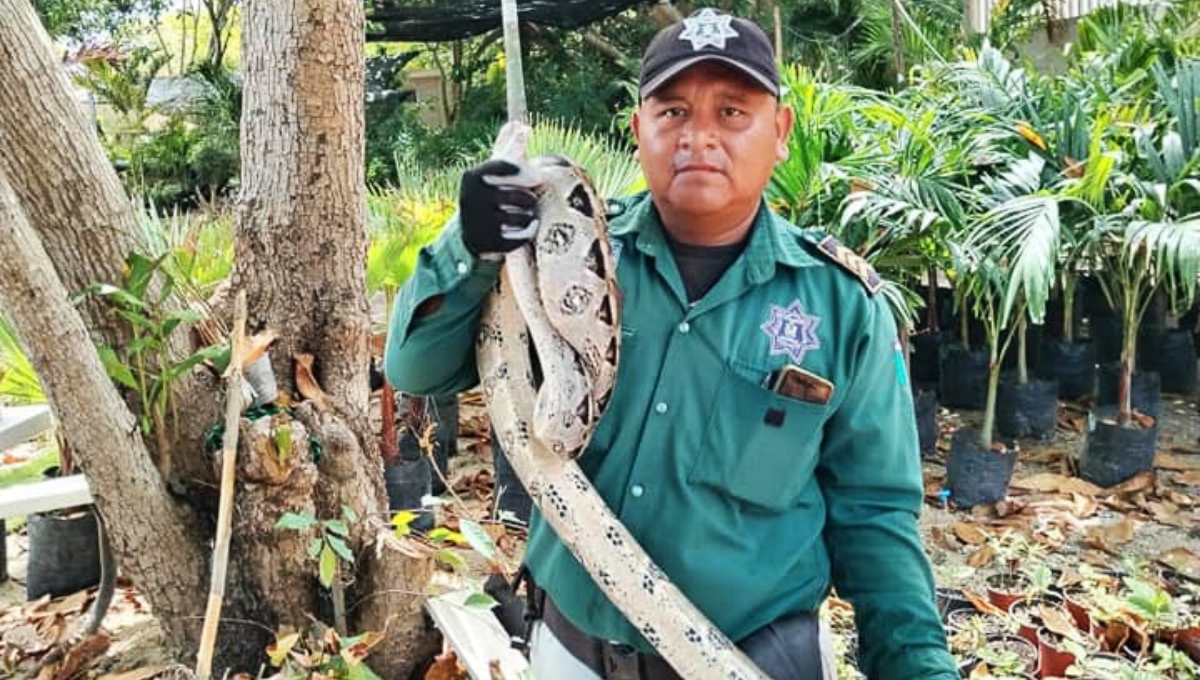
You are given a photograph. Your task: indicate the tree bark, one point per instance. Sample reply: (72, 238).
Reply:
(75, 204)
(302, 203)
(57, 167)
(159, 543)
(301, 246)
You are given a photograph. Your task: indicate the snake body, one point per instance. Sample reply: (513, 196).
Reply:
(547, 354)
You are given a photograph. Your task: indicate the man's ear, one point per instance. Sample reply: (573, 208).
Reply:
(785, 118)
(635, 123)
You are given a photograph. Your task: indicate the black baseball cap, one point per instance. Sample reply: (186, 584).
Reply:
(709, 34)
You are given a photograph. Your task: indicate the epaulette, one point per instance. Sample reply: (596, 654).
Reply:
(851, 262)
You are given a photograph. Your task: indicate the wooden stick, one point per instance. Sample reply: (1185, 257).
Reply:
(233, 413)
(514, 74)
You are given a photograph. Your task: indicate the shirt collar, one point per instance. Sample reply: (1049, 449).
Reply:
(772, 238)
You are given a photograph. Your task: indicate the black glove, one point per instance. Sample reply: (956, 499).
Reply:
(495, 218)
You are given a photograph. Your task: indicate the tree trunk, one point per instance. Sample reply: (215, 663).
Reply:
(56, 166)
(302, 203)
(159, 543)
(75, 204)
(301, 245)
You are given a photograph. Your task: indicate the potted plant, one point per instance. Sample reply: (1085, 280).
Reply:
(1015, 582)
(1149, 241)
(979, 466)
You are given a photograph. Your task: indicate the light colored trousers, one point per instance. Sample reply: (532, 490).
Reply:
(549, 660)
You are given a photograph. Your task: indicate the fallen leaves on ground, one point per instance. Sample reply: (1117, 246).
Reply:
(1108, 536)
(1183, 561)
(972, 534)
(446, 667)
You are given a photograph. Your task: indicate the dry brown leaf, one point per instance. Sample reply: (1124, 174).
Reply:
(80, 656)
(1188, 478)
(982, 603)
(136, 674)
(1083, 506)
(257, 345)
(981, 557)
(1167, 461)
(968, 533)
(306, 382)
(446, 667)
(1075, 485)
(944, 539)
(1183, 561)
(1044, 481)
(1139, 482)
(1115, 533)
(1057, 621)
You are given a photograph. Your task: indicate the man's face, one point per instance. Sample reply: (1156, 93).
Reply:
(708, 141)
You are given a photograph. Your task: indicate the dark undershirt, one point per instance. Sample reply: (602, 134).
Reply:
(701, 267)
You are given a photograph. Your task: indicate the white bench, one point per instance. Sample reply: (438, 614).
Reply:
(50, 494)
(19, 424)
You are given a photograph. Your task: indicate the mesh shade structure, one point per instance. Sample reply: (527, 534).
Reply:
(432, 21)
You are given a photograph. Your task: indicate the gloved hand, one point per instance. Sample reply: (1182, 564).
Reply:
(496, 217)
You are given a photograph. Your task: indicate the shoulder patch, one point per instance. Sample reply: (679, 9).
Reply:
(851, 262)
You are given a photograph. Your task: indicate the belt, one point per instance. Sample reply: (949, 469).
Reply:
(609, 660)
(789, 648)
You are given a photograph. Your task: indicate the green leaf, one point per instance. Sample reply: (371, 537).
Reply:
(340, 547)
(444, 534)
(119, 297)
(139, 273)
(360, 671)
(451, 558)
(283, 442)
(337, 526)
(291, 520)
(278, 652)
(480, 600)
(349, 514)
(314, 547)
(328, 566)
(115, 368)
(478, 539)
(172, 320)
(402, 520)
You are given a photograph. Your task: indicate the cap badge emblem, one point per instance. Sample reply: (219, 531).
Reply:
(706, 28)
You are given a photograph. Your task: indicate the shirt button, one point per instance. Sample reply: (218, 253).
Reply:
(462, 267)
(685, 328)
(636, 491)
(660, 408)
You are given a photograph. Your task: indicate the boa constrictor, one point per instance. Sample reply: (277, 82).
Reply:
(547, 355)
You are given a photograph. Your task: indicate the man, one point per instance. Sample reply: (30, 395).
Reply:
(760, 442)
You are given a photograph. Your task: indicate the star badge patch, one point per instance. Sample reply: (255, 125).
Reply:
(792, 332)
(707, 28)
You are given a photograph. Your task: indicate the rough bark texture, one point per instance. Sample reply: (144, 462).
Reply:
(74, 201)
(158, 542)
(302, 203)
(301, 244)
(56, 165)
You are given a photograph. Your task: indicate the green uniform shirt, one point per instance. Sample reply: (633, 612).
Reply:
(754, 503)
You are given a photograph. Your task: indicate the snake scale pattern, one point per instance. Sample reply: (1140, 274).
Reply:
(547, 354)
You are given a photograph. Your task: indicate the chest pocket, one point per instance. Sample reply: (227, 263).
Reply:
(759, 447)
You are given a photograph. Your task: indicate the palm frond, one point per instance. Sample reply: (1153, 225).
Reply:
(613, 169)
(1172, 249)
(1023, 233)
